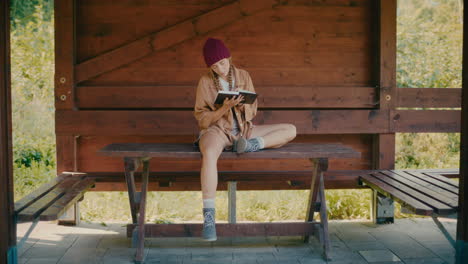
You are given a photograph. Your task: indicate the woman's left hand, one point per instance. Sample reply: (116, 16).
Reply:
(239, 104)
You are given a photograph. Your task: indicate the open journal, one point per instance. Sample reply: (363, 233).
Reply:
(249, 97)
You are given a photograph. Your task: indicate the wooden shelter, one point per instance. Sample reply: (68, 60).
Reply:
(127, 71)
(328, 67)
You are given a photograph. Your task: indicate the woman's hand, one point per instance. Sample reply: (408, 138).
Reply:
(233, 101)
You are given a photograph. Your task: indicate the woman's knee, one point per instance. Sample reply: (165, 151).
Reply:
(290, 131)
(211, 148)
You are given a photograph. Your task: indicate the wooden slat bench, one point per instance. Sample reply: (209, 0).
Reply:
(422, 192)
(51, 200)
(136, 154)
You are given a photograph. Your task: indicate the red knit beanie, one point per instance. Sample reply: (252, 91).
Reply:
(214, 50)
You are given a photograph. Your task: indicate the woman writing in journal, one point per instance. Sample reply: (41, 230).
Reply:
(227, 126)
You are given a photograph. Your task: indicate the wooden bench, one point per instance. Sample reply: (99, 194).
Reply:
(51, 200)
(137, 154)
(421, 192)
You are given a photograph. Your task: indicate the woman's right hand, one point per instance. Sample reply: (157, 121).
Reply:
(233, 101)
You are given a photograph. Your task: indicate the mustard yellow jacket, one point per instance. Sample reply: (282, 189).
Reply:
(204, 106)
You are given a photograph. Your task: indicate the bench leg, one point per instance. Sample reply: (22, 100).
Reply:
(382, 209)
(232, 187)
(71, 217)
(317, 203)
(131, 165)
(324, 220)
(140, 253)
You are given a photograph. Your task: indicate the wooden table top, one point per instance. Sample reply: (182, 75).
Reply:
(188, 151)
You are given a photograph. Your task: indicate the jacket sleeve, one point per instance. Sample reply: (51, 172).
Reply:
(203, 106)
(251, 109)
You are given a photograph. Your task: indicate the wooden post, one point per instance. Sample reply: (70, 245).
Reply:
(8, 252)
(232, 187)
(462, 224)
(384, 144)
(64, 55)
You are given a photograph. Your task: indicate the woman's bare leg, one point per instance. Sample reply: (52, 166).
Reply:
(275, 135)
(211, 147)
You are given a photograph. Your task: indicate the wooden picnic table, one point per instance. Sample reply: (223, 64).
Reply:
(136, 154)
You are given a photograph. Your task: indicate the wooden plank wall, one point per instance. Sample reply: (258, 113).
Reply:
(326, 66)
(7, 224)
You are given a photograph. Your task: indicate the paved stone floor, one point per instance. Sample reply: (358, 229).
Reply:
(410, 241)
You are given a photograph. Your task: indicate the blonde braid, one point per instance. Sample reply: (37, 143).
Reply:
(231, 72)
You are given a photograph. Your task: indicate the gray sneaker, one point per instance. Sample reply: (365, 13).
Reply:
(250, 145)
(209, 228)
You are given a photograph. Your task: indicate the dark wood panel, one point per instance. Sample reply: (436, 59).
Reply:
(138, 75)
(222, 230)
(438, 207)
(7, 223)
(36, 194)
(209, 21)
(384, 151)
(36, 208)
(98, 97)
(99, 30)
(417, 206)
(421, 186)
(68, 199)
(66, 153)
(64, 54)
(387, 52)
(252, 180)
(429, 97)
(183, 122)
(436, 179)
(426, 121)
(189, 151)
(229, 14)
(188, 56)
(89, 159)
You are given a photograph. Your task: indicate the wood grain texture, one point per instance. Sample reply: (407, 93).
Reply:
(388, 190)
(387, 52)
(7, 224)
(419, 195)
(68, 199)
(429, 97)
(163, 39)
(90, 160)
(426, 121)
(66, 153)
(37, 194)
(64, 54)
(36, 208)
(139, 97)
(384, 151)
(338, 46)
(188, 151)
(167, 122)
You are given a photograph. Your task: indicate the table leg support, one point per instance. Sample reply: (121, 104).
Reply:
(131, 165)
(140, 253)
(324, 220)
(317, 203)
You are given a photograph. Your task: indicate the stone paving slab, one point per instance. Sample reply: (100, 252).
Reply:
(412, 241)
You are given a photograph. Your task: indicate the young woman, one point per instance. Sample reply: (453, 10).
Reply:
(227, 126)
